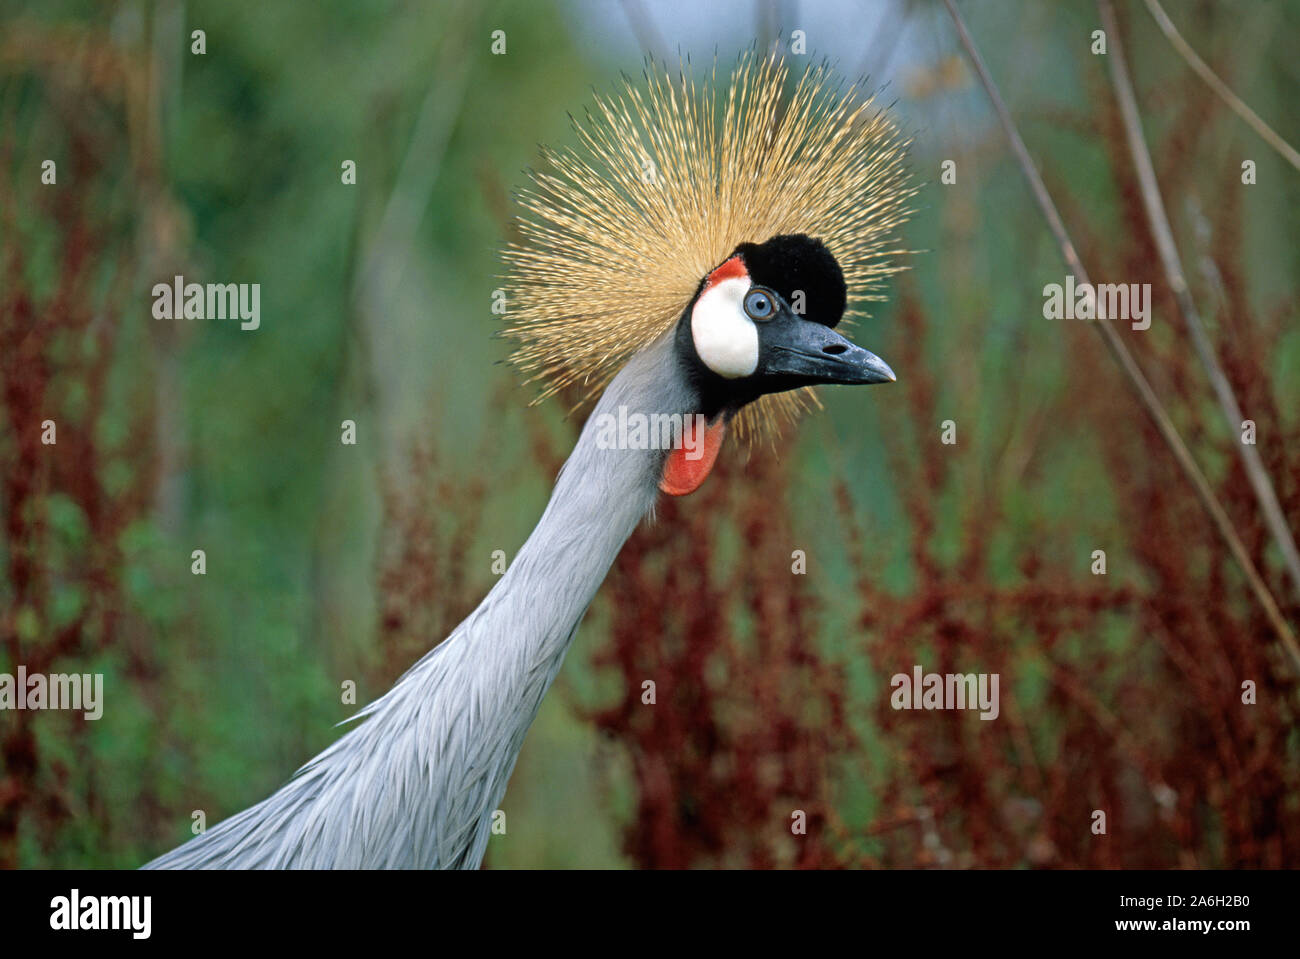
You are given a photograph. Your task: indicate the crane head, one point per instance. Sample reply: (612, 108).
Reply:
(763, 322)
(745, 215)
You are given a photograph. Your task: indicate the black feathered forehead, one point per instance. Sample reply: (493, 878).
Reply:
(795, 261)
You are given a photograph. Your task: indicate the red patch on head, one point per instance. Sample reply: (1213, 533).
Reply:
(732, 269)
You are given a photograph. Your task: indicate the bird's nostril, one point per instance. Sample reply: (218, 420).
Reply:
(835, 349)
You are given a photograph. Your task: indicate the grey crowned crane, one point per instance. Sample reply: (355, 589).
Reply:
(691, 258)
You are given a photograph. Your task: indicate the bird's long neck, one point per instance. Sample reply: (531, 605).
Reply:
(600, 495)
(511, 647)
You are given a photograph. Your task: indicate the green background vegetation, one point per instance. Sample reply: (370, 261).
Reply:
(375, 303)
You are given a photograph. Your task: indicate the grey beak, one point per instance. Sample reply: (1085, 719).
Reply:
(815, 353)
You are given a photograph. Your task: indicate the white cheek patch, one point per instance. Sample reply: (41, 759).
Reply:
(725, 338)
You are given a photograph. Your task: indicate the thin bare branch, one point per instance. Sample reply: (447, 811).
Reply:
(384, 254)
(1218, 86)
(1137, 380)
(647, 36)
(1164, 237)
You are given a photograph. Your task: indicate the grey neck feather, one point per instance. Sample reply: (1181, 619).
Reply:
(415, 784)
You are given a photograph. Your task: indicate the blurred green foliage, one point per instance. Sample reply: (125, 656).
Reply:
(224, 684)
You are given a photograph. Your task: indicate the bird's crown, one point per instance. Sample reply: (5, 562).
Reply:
(802, 176)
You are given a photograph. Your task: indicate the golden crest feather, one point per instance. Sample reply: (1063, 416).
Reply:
(615, 236)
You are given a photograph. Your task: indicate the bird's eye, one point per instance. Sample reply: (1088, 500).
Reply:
(759, 305)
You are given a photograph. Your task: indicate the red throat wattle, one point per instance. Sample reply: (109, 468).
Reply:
(683, 475)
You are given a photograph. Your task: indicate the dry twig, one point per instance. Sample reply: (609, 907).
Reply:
(1133, 373)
